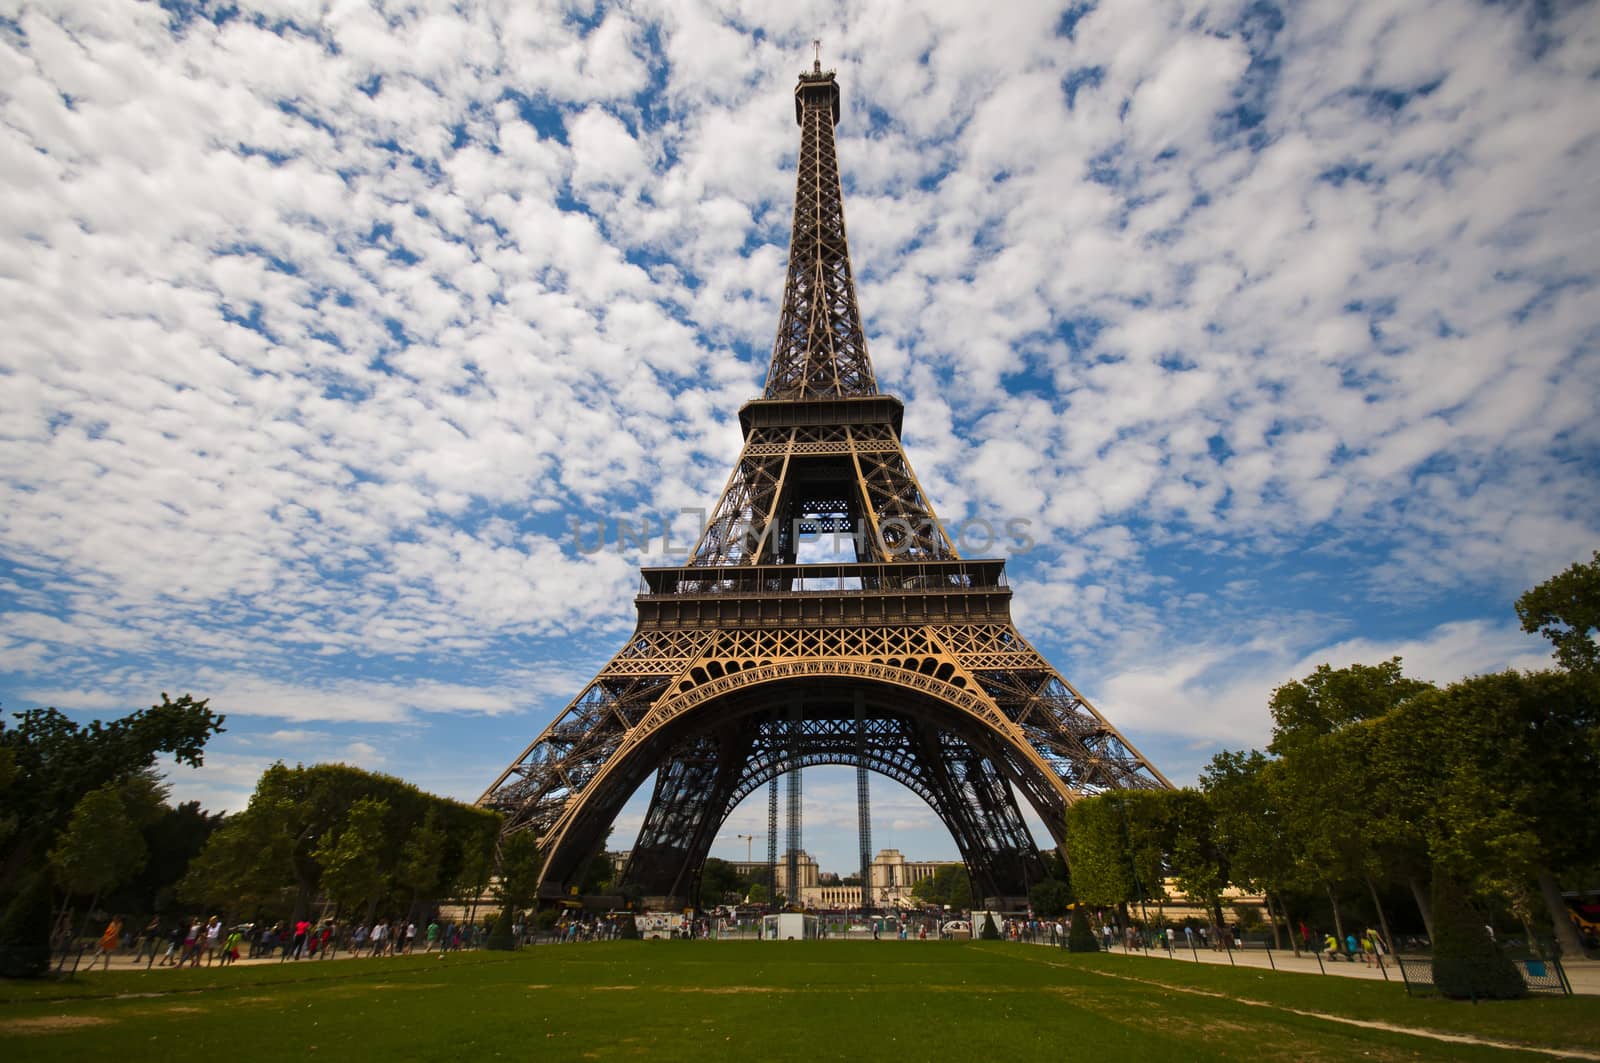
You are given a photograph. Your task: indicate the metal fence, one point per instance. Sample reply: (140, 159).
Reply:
(1542, 976)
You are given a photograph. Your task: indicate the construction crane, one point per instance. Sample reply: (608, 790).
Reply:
(749, 841)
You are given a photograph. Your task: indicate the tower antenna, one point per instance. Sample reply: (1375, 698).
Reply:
(816, 64)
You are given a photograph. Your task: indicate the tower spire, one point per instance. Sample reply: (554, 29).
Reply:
(820, 350)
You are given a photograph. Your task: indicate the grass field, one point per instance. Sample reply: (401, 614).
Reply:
(753, 1001)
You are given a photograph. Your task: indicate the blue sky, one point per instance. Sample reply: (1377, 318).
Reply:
(324, 323)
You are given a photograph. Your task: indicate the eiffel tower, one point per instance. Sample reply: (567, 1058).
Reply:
(748, 665)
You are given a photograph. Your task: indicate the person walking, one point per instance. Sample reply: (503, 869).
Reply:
(191, 943)
(109, 942)
(213, 938)
(149, 941)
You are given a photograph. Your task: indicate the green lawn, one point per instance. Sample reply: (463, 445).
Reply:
(751, 1001)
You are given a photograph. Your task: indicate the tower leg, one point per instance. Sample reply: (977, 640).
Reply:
(863, 809)
(772, 843)
(792, 837)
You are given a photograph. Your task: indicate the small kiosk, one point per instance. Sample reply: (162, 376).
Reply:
(789, 926)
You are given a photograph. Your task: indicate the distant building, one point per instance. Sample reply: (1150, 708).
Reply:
(890, 878)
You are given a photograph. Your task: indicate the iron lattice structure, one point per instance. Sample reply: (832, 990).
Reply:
(747, 665)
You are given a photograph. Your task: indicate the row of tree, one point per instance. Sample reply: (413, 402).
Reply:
(363, 841)
(86, 824)
(1482, 790)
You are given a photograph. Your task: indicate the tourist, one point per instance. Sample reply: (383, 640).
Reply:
(149, 940)
(174, 951)
(110, 941)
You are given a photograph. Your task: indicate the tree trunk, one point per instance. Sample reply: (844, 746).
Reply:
(1566, 933)
(1277, 927)
(1424, 906)
(1338, 920)
(1295, 939)
(1383, 920)
(1272, 922)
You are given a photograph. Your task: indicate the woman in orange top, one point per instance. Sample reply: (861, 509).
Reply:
(109, 942)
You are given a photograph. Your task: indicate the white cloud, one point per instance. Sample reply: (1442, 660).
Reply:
(319, 339)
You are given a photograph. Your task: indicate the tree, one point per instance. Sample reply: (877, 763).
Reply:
(757, 894)
(516, 879)
(949, 885)
(1326, 784)
(1097, 852)
(1194, 856)
(1250, 825)
(54, 762)
(720, 881)
(422, 858)
(1504, 765)
(174, 837)
(354, 874)
(272, 848)
(989, 932)
(1049, 898)
(1565, 609)
(1329, 700)
(25, 930)
(102, 845)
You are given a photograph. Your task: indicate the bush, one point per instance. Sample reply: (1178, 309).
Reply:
(500, 937)
(990, 932)
(25, 930)
(630, 928)
(1466, 961)
(1080, 938)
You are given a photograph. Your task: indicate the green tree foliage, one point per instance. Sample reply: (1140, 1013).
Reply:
(25, 930)
(1194, 855)
(352, 857)
(1080, 938)
(1566, 610)
(53, 762)
(1503, 768)
(270, 854)
(757, 894)
(1049, 898)
(1323, 732)
(517, 872)
(103, 845)
(1097, 851)
(720, 882)
(9, 821)
(421, 869)
(516, 879)
(1329, 700)
(175, 837)
(949, 885)
(1466, 961)
(1248, 821)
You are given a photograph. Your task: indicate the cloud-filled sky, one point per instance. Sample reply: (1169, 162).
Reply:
(323, 325)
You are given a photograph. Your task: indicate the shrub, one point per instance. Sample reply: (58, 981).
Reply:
(1466, 961)
(1080, 938)
(25, 930)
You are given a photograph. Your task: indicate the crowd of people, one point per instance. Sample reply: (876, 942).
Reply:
(193, 942)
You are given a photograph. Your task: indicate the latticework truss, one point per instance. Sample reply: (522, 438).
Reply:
(852, 483)
(748, 665)
(820, 350)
